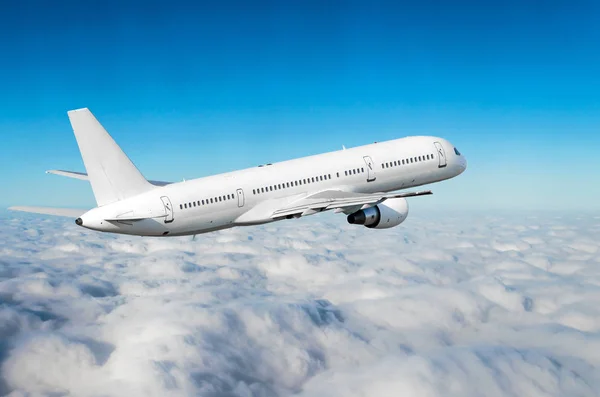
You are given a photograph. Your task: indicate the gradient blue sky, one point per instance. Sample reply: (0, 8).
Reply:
(193, 89)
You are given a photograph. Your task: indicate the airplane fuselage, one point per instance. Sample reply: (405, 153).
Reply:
(248, 197)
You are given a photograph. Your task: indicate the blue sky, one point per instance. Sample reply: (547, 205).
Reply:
(193, 89)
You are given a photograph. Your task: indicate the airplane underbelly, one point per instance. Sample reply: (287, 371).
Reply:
(203, 222)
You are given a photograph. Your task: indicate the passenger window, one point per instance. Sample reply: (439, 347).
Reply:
(180, 206)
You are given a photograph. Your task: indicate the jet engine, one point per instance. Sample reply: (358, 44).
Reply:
(390, 213)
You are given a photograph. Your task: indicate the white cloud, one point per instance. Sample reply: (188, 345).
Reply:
(440, 306)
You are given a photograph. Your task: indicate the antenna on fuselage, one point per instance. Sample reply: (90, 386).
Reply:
(343, 147)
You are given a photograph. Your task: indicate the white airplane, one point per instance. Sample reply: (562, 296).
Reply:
(353, 181)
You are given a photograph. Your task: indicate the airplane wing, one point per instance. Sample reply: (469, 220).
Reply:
(66, 212)
(338, 200)
(83, 176)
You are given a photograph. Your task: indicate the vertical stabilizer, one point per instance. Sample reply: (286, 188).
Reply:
(112, 175)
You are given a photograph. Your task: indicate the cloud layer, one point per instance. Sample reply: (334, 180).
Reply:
(440, 306)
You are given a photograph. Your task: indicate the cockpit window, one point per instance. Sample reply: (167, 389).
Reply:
(456, 151)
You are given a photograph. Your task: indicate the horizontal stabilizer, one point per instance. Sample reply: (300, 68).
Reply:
(84, 177)
(71, 174)
(66, 212)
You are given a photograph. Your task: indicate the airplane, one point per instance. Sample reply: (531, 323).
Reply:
(361, 182)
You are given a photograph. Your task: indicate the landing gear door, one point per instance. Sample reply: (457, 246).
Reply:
(441, 154)
(168, 209)
(370, 169)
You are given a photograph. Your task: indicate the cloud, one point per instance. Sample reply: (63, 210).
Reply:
(442, 306)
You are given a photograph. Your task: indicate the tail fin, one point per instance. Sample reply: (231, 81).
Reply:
(112, 175)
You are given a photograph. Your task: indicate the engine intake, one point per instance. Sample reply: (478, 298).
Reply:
(390, 213)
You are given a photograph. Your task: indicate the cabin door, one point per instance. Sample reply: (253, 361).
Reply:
(168, 209)
(441, 154)
(370, 169)
(240, 196)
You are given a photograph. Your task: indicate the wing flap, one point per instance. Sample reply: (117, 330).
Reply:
(65, 212)
(337, 199)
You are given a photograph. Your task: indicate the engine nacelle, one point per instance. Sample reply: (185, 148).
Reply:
(390, 213)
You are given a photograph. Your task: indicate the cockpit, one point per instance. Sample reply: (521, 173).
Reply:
(456, 151)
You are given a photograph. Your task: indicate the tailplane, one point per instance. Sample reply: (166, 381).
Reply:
(112, 175)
